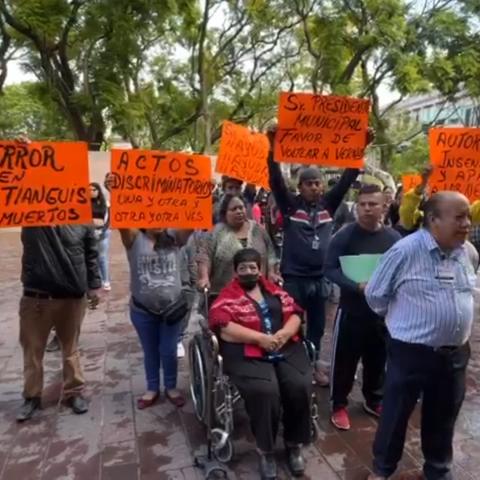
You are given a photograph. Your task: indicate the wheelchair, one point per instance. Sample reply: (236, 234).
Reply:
(214, 396)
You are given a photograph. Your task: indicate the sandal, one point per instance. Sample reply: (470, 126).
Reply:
(146, 402)
(177, 400)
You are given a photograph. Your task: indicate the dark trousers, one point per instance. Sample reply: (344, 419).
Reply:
(310, 294)
(358, 337)
(414, 369)
(283, 387)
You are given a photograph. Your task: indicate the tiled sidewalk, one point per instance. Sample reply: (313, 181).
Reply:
(114, 441)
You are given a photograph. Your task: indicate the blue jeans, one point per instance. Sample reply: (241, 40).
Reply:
(159, 343)
(103, 257)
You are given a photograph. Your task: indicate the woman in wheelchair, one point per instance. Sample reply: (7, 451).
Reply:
(258, 324)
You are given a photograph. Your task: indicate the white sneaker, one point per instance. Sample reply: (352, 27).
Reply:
(107, 287)
(180, 350)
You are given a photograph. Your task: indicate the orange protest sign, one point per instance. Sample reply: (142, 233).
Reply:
(410, 181)
(44, 183)
(243, 154)
(455, 155)
(321, 130)
(152, 189)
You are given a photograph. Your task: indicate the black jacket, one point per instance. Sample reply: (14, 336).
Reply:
(303, 223)
(352, 239)
(61, 261)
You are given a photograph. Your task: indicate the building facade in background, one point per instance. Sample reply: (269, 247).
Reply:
(434, 109)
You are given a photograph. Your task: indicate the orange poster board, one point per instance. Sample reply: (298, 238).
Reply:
(243, 154)
(44, 184)
(322, 129)
(455, 156)
(152, 189)
(410, 181)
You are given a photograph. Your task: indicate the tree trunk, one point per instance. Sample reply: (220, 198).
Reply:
(207, 125)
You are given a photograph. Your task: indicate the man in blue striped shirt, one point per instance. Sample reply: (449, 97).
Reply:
(424, 287)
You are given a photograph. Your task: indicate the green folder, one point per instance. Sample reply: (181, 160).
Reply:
(359, 268)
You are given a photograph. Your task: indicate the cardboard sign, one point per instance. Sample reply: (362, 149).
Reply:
(243, 154)
(44, 184)
(455, 155)
(410, 181)
(154, 189)
(322, 130)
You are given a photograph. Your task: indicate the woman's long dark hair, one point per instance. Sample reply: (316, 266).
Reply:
(99, 204)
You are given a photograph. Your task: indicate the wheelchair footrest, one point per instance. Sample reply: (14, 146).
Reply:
(210, 466)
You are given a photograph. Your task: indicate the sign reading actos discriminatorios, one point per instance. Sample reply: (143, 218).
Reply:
(44, 184)
(455, 156)
(152, 189)
(322, 129)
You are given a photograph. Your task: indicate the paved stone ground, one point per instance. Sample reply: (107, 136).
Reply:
(114, 441)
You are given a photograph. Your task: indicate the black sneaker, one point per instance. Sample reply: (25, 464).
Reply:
(78, 404)
(268, 466)
(295, 460)
(29, 407)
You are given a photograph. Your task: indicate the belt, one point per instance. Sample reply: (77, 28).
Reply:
(448, 348)
(445, 349)
(45, 296)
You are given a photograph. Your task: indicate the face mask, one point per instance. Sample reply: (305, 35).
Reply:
(248, 282)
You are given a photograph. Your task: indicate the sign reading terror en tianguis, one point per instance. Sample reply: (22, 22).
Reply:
(455, 156)
(322, 130)
(44, 184)
(152, 189)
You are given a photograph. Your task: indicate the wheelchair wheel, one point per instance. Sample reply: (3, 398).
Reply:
(313, 419)
(198, 378)
(222, 448)
(313, 431)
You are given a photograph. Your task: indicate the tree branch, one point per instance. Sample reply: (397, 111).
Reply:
(4, 47)
(179, 128)
(67, 74)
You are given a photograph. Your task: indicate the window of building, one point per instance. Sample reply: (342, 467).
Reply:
(468, 117)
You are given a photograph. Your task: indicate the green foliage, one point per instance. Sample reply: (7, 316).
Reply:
(28, 109)
(166, 73)
(411, 157)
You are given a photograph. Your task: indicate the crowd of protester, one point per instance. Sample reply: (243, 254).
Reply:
(269, 265)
